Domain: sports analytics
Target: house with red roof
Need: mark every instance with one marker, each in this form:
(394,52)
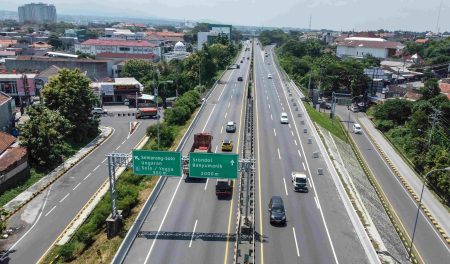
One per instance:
(13,162)
(444,86)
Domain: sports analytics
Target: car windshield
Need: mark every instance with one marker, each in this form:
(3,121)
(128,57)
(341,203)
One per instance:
(278,209)
(300,180)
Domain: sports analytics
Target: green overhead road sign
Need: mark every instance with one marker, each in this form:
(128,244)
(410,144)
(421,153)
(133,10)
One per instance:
(161,163)
(213,165)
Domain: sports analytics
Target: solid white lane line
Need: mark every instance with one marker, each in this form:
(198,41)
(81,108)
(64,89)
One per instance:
(295,141)
(123,142)
(53,208)
(64,198)
(296,244)
(103,161)
(162,222)
(271,116)
(285,187)
(76,186)
(304,168)
(299,153)
(206,185)
(87,176)
(96,167)
(193,232)
(274,132)
(226,115)
(279,155)
(221,130)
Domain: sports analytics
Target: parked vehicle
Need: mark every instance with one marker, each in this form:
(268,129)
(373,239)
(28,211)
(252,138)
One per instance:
(354,108)
(277,211)
(150,112)
(269,76)
(239,79)
(224,188)
(99,111)
(299,181)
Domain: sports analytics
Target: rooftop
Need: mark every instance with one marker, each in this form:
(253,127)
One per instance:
(148,56)
(10,156)
(109,42)
(6,140)
(357,42)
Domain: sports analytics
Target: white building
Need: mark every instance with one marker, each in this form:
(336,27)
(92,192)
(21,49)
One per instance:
(358,47)
(179,52)
(205,37)
(39,12)
(117,90)
(111,47)
(124,34)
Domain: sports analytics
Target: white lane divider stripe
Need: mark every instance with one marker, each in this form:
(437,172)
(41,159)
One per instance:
(279,155)
(206,185)
(299,153)
(271,116)
(123,142)
(96,167)
(274,132)
(53,208)
(103,161)
(304,168)
(76,186)
(317,202)
(193,232)
(285,187)
(296,244)
(87,176)
(295,141)
(64,198)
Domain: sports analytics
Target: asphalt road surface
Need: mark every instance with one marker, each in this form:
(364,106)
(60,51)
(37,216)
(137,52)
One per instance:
(318,228)
(187,223)
(430,244)
(47,215)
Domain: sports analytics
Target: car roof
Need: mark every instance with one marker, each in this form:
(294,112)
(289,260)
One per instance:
(276,199)
(226,141)
(357,125)
(284,114)
(230,123)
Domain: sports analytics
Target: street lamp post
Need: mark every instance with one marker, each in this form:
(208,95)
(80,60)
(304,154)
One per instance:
(419,204)
(156,92)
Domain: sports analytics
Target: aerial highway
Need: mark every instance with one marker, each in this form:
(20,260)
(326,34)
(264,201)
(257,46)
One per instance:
(42,220)
(187,223)
(318,229)
(431,246)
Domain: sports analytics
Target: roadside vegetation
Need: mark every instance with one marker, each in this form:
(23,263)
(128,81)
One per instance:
(408,125)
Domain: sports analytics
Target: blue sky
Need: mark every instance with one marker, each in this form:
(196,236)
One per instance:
(414,15)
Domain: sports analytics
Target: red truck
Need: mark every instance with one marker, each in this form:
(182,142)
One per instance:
(202,143)
(150,112)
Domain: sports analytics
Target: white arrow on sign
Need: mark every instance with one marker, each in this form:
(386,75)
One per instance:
(232,162)
(136,157)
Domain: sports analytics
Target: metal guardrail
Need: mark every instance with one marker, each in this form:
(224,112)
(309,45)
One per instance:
(124,248)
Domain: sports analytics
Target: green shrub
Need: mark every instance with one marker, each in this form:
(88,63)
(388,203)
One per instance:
(66,252)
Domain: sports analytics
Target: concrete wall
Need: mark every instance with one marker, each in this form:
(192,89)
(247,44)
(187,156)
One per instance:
(360,52)
(6,115)
(94,69)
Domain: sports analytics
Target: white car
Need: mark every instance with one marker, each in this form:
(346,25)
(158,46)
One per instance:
(357,129)
(284,118)
(98,111)
(269,76)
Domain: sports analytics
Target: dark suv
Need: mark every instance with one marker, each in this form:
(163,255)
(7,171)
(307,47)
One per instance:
(276,210)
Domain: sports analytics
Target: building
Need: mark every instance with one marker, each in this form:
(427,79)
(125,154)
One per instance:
(123,34)
(179,53)
(7,112)
(94,69)
(13,162)
(164,37)
(360,47)
(98,46)
(37,12)
(214,31)
(444,86)
(18,86)
(116,90)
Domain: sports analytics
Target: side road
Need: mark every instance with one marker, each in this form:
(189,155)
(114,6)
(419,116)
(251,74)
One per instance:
(20,200)
(432,204)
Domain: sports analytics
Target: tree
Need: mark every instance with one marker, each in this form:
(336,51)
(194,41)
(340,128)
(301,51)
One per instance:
(55,41)
(431,89)
(397,110)
(44,135)
(142,70)
(70,94)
